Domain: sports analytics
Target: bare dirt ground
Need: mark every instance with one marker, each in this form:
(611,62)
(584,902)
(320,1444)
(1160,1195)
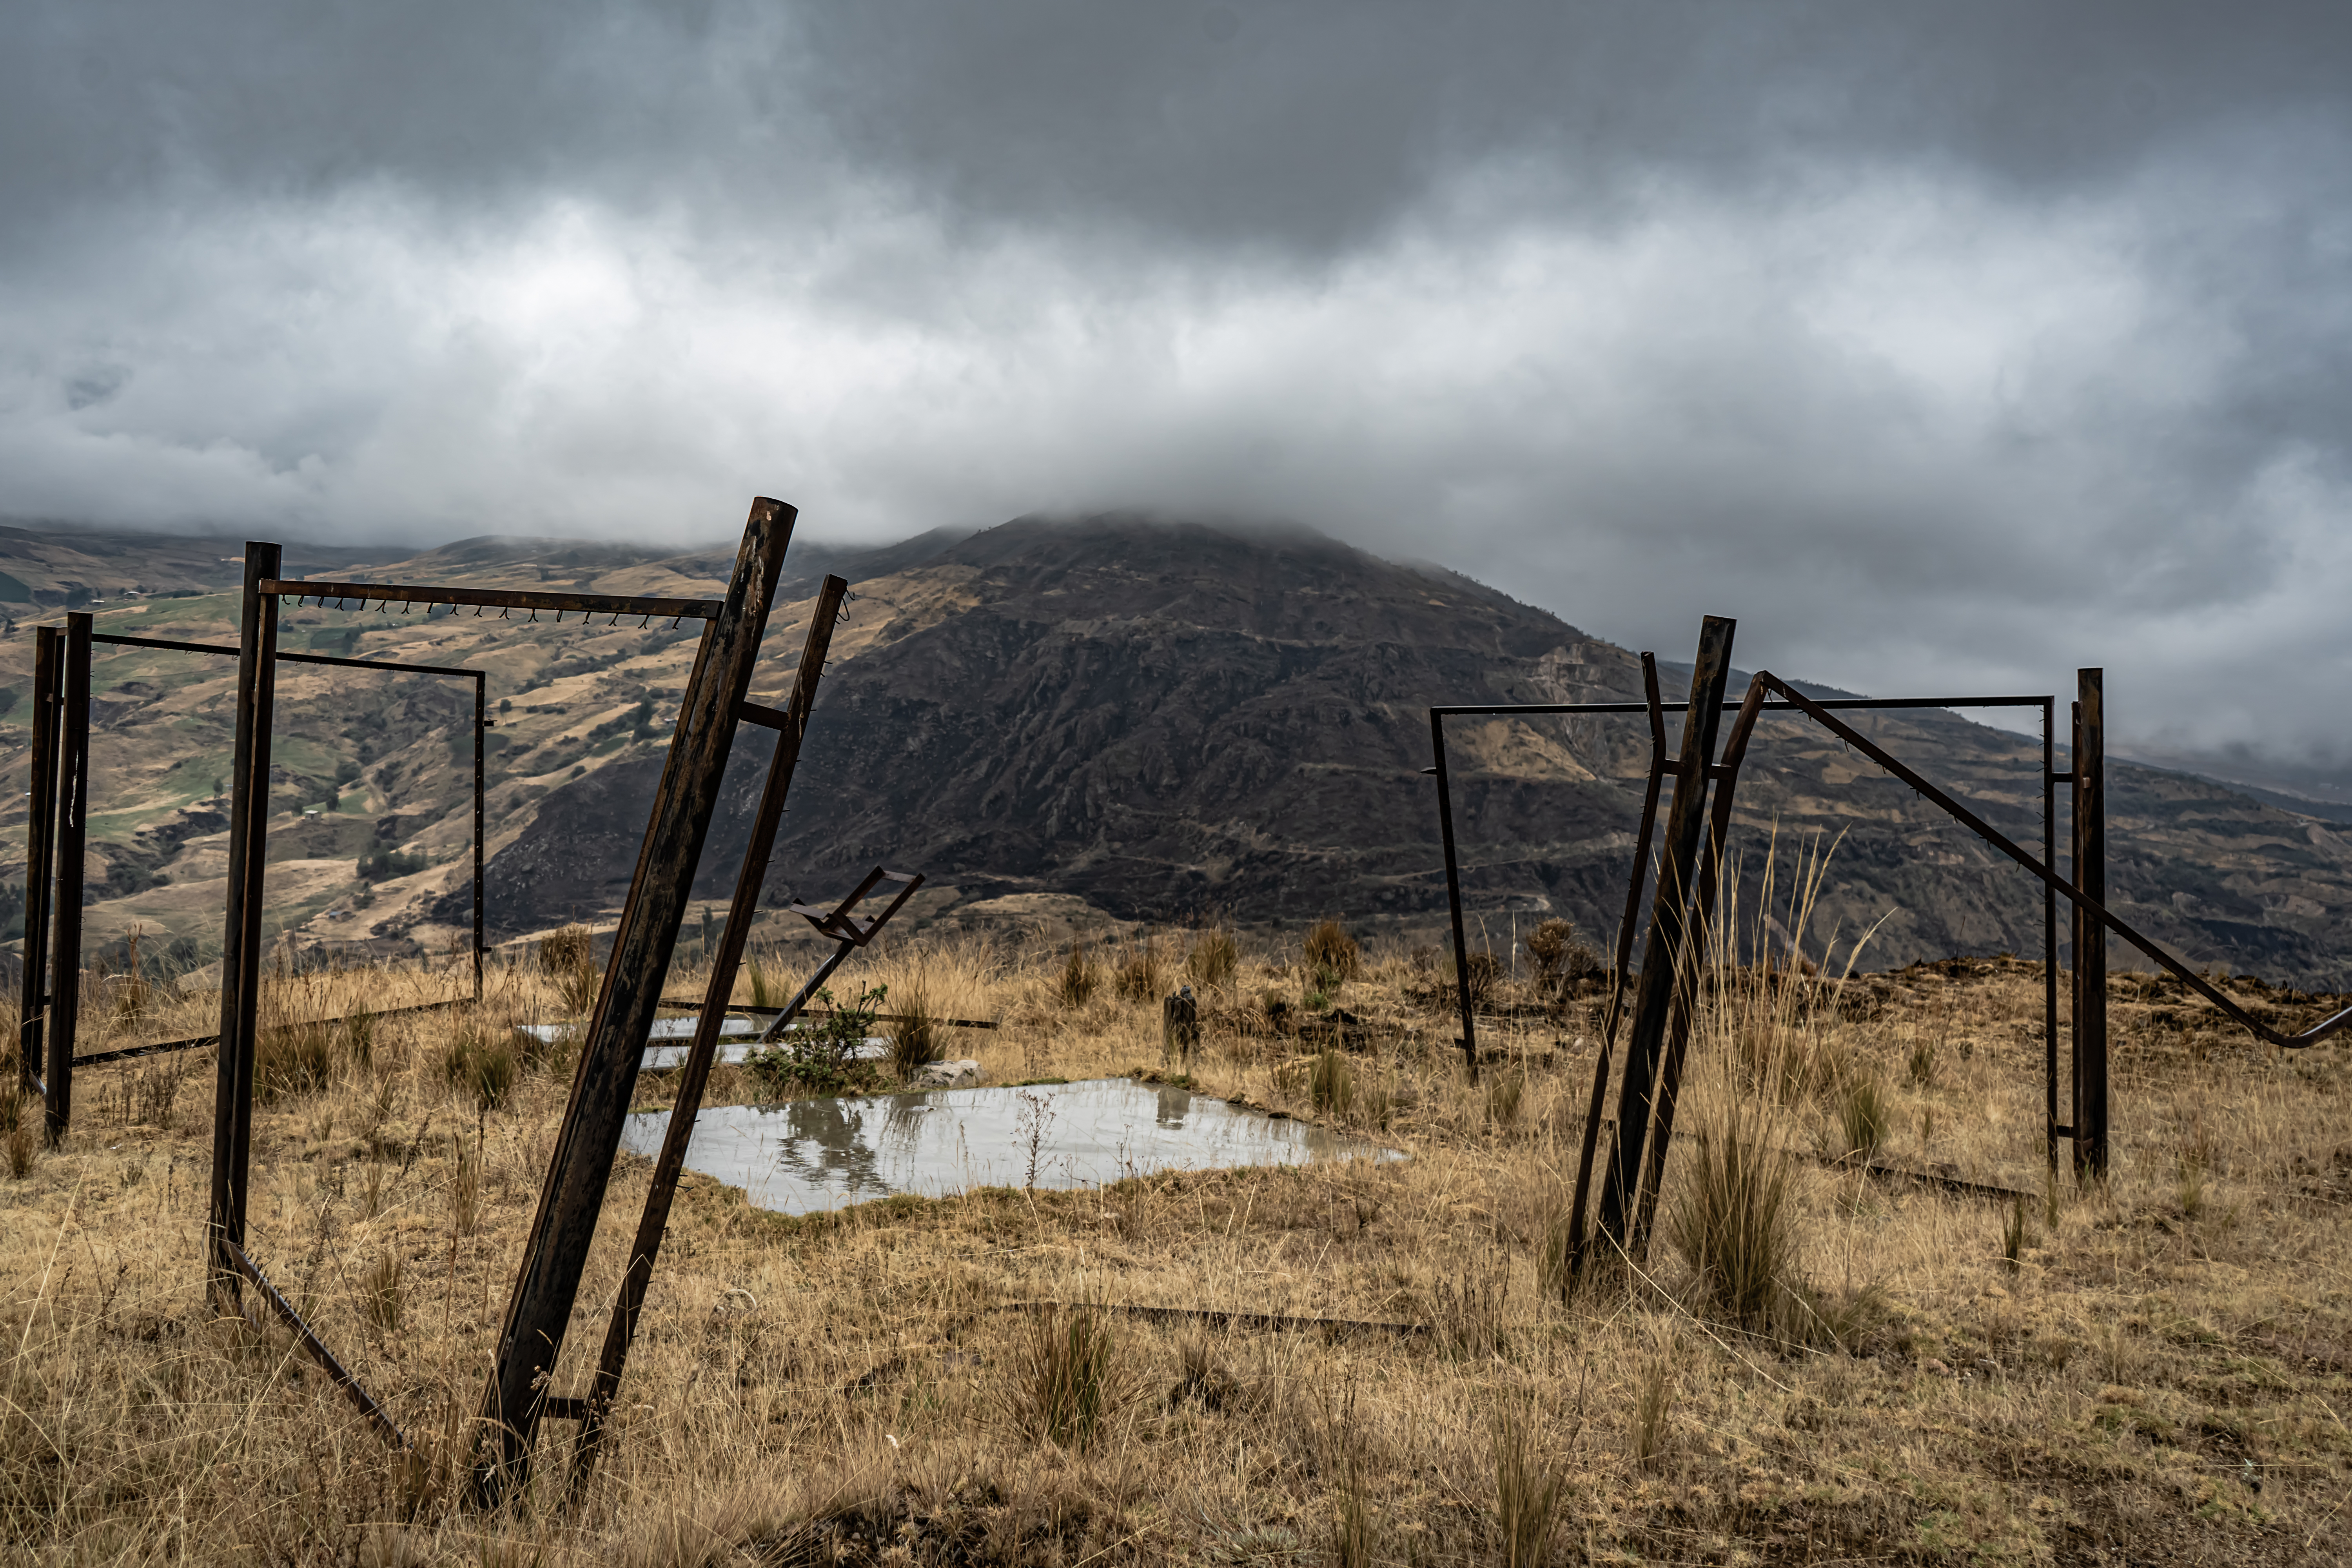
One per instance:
(2158,1370)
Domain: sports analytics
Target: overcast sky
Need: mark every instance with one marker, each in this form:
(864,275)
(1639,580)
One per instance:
(1945,346)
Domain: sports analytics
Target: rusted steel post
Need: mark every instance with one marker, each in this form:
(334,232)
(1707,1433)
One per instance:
(1634,887)
(40,865)
(1453,894)
(2049,944)
(1668,949)
(1712,871)
(72,844)
(2090,940)
(695,1076)
(546,1283)
(241,966)
(481,700)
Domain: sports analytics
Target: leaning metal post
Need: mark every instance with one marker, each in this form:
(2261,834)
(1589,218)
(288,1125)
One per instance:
(1666,954)
(1599,1102)
(1454,895)
(40,864)
(2091,937)
(548,1281)
(72,839)
(481,700)
(622,1328)
(1702,927)
(248,817)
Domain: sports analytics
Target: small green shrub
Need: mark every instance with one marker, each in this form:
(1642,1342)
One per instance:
(383,864)
(820,1059)
(1559,957)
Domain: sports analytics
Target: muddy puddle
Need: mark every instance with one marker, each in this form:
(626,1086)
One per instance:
(816,1154)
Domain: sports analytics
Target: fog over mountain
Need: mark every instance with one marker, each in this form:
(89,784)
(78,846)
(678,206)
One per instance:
(1946,348)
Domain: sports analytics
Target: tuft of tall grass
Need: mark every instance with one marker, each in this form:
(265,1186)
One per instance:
(2012,1234)
(1505,1092)
(290,1060)
(380,1296)
(1653,1405)
(1471,1316)
(1526,1493)
(1332,956)
(18,1142)
(1080,977)
(915,1038)
(569,958)
(481,1062)
(465,1188)
(1920,1069)
(1215,957)
(1733,1220)
(1135,975)
(1063,1379)
(1865,1117)
(1330,1083)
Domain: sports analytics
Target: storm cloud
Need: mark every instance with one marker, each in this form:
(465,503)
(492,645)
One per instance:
(1946,347)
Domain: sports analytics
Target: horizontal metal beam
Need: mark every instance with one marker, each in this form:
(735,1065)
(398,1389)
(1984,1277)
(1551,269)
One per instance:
(198,1042)
(312,1344)
(230,649)
(1776,707)
(2091,906)
(497,599)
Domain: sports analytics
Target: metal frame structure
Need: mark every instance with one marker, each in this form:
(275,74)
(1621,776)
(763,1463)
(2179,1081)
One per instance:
(1682,913)
(56,832)
(516,1397)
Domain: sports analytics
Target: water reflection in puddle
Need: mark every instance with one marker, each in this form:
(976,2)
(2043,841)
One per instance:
(815,1154)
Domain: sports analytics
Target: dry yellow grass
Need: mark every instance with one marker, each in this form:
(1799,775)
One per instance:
(2162,1375)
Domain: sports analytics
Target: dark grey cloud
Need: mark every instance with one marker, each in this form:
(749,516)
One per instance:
(1944,345)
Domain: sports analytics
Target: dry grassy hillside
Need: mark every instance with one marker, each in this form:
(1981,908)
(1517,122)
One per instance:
(2154,1370)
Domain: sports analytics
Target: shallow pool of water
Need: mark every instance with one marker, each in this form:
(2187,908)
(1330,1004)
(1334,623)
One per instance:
(814,1154)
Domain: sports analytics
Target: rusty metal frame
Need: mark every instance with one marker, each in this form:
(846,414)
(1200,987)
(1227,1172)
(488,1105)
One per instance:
(2076,893)
(1637,1158)
(2093,919)
(52,1013)
(547,1280)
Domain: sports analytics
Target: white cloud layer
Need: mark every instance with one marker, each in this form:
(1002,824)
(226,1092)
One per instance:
(1925,412)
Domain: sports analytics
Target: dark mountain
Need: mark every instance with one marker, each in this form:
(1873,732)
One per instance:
(1168,718)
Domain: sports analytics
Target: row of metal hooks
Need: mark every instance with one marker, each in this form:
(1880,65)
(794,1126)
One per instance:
(504,611)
